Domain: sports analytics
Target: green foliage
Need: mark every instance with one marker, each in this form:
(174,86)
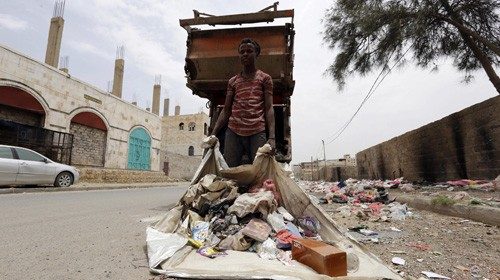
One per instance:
(370,33)
(476,202)
(442,200)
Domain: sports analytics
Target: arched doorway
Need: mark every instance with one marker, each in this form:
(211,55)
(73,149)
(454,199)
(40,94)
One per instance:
(139,149)
(19,106)
(89,139)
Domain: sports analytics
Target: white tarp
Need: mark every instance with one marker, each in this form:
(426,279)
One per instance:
(246,265)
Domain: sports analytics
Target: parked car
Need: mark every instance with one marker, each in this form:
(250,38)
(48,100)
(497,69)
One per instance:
(21,166)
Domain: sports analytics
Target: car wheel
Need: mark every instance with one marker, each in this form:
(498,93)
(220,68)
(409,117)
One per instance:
(64,179)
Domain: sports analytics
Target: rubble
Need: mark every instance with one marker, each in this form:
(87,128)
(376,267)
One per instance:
(454,248)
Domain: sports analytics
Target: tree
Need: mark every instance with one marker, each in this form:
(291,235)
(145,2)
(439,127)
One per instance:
(370,33)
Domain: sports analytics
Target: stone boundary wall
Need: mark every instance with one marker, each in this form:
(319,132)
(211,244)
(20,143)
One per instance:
(335,173)
(181,166)
(105,175)
(465,144)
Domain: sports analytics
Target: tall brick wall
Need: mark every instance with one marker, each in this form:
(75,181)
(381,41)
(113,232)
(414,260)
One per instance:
(20,116)
(89,145)
(465,144)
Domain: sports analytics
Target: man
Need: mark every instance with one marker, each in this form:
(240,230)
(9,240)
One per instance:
(248,108)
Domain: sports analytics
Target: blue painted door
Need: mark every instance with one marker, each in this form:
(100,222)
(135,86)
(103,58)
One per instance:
(139,150)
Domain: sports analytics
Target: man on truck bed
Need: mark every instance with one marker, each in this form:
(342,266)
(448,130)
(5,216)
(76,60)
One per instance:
(248,108)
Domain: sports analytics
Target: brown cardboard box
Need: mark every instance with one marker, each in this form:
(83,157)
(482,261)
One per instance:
(324,258)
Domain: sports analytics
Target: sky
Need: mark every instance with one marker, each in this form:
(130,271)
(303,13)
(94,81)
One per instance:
(408,98)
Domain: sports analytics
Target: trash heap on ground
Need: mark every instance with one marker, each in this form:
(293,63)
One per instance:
(220,215)
(366,199)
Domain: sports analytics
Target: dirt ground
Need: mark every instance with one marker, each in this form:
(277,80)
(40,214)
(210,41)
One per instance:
(450,246)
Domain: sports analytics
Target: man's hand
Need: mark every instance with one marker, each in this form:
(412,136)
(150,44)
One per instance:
(272,142)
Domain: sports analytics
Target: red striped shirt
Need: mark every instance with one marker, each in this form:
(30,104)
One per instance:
(248,110)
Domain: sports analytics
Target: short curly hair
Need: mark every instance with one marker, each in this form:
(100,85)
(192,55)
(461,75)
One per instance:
(250,41)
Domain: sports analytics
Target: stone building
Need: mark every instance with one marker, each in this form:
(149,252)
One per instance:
(181,139)
(106,130)
(70,121)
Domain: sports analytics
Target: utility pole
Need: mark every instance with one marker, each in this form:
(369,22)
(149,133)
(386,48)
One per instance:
(312,168)
(324,160)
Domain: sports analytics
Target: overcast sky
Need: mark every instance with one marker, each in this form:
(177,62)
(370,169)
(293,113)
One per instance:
(155,44)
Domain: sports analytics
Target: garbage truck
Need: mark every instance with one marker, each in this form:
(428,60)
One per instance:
(212,59)
(209,233)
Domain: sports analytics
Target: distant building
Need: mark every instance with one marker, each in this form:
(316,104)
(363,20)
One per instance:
(311,170)
(181,139)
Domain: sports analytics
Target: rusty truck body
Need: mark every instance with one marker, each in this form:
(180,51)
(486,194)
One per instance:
(212,59)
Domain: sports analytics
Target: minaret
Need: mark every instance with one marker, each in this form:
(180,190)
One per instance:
(119,69)
(55,34)
(64,63)
(156,95)
(166,105)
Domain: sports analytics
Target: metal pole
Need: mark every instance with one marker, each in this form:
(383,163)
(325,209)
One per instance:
(312,168)
(324,160)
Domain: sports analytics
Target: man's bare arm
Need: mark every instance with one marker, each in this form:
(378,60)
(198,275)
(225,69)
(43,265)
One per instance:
(223,118)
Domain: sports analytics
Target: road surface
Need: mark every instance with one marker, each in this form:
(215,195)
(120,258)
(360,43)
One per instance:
(80,235)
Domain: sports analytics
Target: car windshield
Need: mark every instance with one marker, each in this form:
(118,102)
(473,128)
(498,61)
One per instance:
(29,155)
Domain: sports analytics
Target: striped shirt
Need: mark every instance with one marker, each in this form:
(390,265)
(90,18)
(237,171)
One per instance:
(248,110)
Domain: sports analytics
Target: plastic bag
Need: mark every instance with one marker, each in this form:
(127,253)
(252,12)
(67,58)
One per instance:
(162,246)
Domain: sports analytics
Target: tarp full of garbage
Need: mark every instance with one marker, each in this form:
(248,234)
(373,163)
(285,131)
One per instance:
(239,223)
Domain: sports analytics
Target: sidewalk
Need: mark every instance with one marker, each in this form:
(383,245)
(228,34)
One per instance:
(92,186)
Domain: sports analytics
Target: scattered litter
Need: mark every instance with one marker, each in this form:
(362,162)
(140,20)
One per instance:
(398,252)
(257,229)
(210,252)
(475,271)
(420,260)
(434,275)
(395,229)
(267,250)
(367,232)
(462,268)
(287,216)
(398,261)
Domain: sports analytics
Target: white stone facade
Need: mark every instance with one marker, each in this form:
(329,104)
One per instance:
(62,97)
(180,132)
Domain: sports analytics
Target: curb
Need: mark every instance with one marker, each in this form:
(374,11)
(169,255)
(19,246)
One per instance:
(91,188)
(483,214)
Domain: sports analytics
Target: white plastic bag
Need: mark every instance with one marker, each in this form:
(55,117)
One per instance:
(162,246)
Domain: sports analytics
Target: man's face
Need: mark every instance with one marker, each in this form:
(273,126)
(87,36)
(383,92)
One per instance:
(247,54)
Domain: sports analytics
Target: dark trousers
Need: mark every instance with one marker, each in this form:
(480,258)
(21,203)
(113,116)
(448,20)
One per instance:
(236,146)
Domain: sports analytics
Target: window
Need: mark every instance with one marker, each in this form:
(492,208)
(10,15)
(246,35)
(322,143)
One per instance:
(181,126)
(191,151)
(29,155)
(205,129)
(192,125)
(5,153)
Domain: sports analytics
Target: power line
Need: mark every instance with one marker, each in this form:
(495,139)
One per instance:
(374,87)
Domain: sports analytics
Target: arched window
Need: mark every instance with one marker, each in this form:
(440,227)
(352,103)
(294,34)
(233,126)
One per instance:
(205,129)
(181,126)
(191,126)
(191,151)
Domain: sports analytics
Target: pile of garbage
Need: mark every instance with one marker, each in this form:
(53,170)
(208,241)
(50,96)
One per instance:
(220,216)
(252,221)
(365,199)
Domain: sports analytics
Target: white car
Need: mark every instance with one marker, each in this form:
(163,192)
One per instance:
(21,166)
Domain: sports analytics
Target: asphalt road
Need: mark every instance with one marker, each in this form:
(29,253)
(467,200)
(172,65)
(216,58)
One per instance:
(79,235)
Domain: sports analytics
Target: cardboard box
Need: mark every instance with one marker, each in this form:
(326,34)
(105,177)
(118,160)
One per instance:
(323,258)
